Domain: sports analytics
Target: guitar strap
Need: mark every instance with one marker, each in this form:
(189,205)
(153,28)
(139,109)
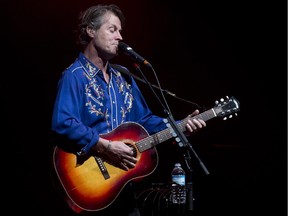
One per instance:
(127,72)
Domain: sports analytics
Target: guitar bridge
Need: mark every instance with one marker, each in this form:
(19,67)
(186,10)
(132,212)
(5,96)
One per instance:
(102,167)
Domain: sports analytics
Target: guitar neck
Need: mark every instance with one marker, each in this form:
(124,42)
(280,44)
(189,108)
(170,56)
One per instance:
(166,134)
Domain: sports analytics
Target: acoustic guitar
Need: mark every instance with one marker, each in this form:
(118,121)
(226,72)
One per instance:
(92,184)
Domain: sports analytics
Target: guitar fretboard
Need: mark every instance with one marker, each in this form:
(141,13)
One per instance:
(169,133)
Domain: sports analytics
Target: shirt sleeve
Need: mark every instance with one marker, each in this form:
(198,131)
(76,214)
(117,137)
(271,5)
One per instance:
(66,119)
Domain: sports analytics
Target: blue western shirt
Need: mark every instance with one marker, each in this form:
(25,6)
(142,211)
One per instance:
(86,106)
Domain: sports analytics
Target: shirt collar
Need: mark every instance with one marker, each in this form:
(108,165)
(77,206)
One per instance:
(92,69)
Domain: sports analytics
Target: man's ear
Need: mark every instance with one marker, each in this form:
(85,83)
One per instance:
(90,31)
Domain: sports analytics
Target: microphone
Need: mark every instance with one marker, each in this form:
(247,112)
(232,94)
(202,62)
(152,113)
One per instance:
(129,51)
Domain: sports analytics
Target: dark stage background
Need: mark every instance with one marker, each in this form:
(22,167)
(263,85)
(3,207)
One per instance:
(201,51)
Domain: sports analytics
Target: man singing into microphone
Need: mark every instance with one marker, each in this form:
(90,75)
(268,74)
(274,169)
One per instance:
(94,99)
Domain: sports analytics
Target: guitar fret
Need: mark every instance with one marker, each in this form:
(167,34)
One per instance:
(143,144)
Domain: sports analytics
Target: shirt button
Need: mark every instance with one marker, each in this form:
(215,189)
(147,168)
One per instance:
(114,120)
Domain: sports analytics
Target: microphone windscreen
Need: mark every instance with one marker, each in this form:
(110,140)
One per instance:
(122,45)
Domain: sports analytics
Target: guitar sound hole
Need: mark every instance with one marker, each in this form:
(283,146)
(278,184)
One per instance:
(134,149)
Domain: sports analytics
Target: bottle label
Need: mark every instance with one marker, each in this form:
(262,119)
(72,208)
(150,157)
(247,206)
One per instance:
(179,179)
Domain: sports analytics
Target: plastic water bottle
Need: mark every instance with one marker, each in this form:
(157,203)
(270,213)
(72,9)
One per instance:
(178,189)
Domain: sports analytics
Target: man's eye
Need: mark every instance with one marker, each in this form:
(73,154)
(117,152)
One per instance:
(112,29)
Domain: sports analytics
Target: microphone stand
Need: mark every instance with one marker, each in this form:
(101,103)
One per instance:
(185,145)
(181,139)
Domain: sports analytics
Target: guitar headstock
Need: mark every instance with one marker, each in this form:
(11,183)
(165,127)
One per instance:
(227,107)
